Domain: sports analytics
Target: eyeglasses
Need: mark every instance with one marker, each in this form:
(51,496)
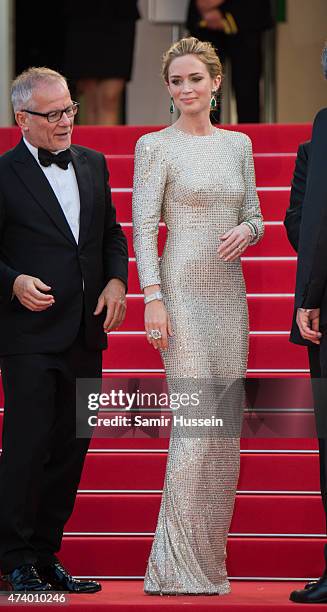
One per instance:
(54,116)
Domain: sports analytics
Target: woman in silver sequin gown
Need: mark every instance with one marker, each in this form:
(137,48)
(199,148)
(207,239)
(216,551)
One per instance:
(200,180)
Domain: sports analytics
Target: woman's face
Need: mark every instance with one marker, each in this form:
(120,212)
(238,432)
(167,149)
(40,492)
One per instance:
(190,84)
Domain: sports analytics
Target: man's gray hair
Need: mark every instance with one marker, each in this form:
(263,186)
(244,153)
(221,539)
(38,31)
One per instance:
(25,83)
(324,61)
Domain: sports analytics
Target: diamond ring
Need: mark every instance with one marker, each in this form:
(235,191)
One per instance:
(155,334)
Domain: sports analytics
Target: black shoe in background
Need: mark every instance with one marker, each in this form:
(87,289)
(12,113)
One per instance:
(61,580)
(25,579)
(312,593)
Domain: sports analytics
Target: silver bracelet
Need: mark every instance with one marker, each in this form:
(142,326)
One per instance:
(252,227)
(157,295)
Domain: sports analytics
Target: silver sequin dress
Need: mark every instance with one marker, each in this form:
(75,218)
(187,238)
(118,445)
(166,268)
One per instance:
(200,186)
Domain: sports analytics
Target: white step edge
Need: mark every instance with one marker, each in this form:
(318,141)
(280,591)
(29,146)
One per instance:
(240,578)
(272,188)
(162,224)
(270,258)
(242,452)
(252,295)
(151,534)
(252,333)
(252,371)
(159,491)
(165,451)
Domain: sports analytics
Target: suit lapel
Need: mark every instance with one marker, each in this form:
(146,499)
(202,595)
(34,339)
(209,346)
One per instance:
(37,184)
(86,192)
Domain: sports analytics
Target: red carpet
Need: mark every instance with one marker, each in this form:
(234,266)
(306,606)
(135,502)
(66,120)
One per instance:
(128,596)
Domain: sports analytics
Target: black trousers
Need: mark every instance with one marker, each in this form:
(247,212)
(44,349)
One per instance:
(42,458)
(318,372)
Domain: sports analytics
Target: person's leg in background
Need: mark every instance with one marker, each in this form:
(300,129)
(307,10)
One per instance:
(88,88)
(245,52)
(109,101)
(102,100)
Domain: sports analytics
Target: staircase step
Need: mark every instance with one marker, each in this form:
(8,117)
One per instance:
(137,514)
(132,351)
(273,244)
(265,313)
(287,472)
(273,204)
(247,557)
(261,276)
(271,170)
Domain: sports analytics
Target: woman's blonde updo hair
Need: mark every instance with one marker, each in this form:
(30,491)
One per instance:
(192,46)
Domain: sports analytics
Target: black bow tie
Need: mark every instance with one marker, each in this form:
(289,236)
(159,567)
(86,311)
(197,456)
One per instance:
(62,159)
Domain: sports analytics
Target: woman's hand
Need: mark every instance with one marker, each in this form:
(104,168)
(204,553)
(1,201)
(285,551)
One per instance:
(234,242)
(156,317)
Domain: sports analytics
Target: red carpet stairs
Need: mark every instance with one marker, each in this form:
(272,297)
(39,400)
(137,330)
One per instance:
(277,532)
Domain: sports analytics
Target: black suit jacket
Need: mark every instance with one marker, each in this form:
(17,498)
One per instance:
(307,228)
(293,216)
(36,239)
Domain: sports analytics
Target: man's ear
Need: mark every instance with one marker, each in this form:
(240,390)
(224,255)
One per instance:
(21,120)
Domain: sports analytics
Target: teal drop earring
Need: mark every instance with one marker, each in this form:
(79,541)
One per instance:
(172,105)
(213,101)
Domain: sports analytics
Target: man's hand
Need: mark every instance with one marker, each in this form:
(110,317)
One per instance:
(204,6)
(113,297)
(28,291)
(214,20)
(308,323)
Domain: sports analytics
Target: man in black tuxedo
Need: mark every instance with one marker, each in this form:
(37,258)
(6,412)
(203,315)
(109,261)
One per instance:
(63,278)
(235,29)
(306,225)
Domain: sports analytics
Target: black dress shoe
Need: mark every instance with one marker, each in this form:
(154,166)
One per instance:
(310,584)
(25,579)
(315,592)
(61,580)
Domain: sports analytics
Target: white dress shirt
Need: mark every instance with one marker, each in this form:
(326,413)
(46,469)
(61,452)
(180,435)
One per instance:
(65,187)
